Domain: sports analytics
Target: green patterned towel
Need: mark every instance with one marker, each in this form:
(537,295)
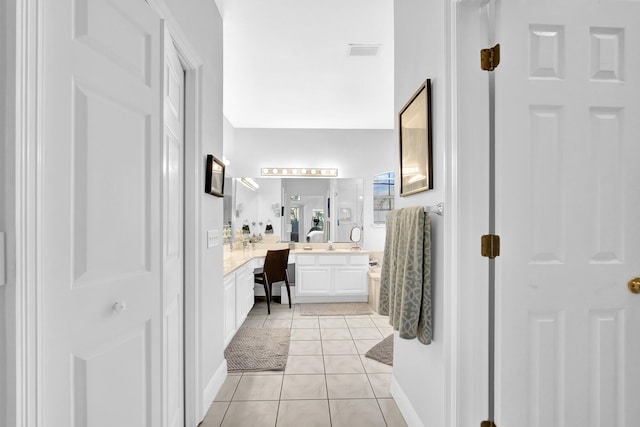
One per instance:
(405,278)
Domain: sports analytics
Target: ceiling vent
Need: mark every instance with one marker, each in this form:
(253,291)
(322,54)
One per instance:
(364,49)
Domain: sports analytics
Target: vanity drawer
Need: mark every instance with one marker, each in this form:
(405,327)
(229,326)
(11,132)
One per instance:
(359,260)
(332,260)
(306,260)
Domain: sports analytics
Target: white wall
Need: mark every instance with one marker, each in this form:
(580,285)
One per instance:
(228,136)
(4,168)
(202,25)
(419,370)
(356,154)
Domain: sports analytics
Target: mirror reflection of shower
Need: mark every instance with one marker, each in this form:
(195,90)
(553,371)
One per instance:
(292,207)
(306,199)
(327,209)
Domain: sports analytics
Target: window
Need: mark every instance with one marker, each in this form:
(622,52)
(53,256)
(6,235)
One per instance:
(383,196)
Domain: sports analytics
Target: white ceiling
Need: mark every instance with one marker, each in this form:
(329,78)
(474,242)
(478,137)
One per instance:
(286,64)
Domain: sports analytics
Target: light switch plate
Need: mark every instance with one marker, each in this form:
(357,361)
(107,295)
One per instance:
(212,238)
(2,256)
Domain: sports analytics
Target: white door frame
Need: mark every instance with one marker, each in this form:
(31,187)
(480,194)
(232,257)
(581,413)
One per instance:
(466,216)
(192,63)
(451,311)
(24,324)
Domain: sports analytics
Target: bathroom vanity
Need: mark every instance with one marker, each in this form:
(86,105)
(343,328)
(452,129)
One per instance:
(340,275)
(238,296)
(332,276)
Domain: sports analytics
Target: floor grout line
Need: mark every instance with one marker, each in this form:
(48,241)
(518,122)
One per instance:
(322,340)
(280,399)
(225,413)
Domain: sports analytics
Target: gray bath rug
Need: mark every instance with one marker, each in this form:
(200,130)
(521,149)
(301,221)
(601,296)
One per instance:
(254,349)
(335,309)
(383,351)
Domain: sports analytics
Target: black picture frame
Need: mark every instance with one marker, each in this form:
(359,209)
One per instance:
(416,162)
(214,177)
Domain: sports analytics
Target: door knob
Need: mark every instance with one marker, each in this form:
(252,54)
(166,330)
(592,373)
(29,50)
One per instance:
(119,307)
(634,285)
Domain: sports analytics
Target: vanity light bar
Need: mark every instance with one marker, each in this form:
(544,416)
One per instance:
(319,172)
(249,183)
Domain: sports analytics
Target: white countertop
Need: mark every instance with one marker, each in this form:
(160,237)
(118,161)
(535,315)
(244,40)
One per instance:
(238,257)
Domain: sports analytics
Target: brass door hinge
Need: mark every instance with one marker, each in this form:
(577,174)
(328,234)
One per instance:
(488,424)
(490,246)
(490,58)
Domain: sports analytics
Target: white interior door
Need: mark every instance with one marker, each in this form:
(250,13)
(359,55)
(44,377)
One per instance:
(568,196)
(100,218)
(173,236)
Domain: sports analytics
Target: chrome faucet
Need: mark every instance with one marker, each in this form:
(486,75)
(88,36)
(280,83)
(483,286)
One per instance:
(330,248)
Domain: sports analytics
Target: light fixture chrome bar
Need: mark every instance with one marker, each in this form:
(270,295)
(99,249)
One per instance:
(311,172)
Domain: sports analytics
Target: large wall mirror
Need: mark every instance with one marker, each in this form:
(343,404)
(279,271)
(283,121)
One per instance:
(295,209)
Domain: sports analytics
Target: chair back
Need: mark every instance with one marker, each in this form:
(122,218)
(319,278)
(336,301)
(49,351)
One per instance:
(275,264)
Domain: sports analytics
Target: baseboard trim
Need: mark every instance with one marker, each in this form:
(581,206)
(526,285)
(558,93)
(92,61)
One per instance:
(213,387)
(406,408)
(341,298)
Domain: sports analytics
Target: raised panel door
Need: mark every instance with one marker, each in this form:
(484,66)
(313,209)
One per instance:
(313,281)
(241,295)
(350,280)
(229,304)
(568,193)
(249,284)
(173,237)
(100,235)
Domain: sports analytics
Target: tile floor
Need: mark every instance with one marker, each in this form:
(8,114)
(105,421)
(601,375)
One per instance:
(327,382)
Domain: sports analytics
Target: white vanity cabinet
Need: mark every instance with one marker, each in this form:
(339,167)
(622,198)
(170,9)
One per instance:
(249,284)
(238,298)
(352,279)
(312,278)
(331,277)
(229,299)
(241,295)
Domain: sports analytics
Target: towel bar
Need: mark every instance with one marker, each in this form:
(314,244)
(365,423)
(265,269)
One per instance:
(437,209)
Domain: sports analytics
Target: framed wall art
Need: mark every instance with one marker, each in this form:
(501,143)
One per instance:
(416,164)
(214,179)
